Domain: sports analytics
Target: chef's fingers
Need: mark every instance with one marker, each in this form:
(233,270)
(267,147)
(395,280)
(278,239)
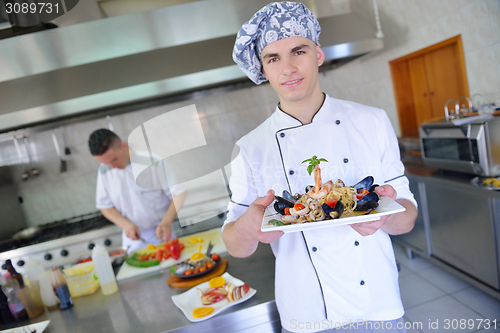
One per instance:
(265,200)
(387,191)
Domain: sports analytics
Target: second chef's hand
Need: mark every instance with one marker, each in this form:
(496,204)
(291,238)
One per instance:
(164,230)
(131,230)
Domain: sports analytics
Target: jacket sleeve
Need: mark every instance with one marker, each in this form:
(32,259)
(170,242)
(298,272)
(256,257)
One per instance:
(242,185)
(391,161)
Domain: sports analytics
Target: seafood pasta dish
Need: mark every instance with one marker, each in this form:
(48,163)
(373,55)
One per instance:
(325,201)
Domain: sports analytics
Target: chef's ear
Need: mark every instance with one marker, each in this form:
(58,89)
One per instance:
(123,144)
(321,55)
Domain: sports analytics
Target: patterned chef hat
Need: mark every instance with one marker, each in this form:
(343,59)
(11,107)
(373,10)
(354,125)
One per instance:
(273,22)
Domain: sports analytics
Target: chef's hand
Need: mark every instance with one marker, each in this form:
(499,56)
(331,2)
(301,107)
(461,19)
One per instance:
(132,231)
(164,231)
(253,219)
(369,228)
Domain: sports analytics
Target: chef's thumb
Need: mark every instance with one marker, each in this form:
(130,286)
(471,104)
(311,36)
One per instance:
(268,198)
(265,200)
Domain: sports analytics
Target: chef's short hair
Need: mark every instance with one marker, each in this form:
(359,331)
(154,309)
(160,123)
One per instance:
(101,140)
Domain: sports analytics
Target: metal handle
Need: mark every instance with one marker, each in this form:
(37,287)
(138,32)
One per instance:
(469,102)
(446,111)
(56,144)
(34,171)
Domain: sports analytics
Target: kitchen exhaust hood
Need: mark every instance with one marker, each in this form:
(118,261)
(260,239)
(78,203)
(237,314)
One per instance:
(87,67)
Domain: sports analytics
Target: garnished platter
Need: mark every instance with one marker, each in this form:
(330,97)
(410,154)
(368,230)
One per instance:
(386,206)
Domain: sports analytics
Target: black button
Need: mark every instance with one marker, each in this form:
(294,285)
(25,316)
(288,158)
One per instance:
(282,135)
(64,253)
(291,172)
(356,243)
(337,121)
(4,267)
(48,256)
(314,249)
(91,246)
(107,242)
(362,283)
(20,263)
(346,160)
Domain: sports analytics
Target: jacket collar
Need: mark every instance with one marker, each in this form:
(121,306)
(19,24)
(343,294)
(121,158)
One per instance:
(285,120)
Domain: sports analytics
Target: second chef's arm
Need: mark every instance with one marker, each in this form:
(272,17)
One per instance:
(131,230)
(164,228)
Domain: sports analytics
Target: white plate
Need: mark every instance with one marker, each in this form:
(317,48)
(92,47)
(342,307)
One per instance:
(39,327)
(191,299)
(386,206)
(478,181)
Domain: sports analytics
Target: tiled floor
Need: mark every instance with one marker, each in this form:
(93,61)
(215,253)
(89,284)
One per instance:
(436,301)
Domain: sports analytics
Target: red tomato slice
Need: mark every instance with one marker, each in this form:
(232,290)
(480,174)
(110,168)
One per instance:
(331,203)
(287,211)
(362,193)
(298,206)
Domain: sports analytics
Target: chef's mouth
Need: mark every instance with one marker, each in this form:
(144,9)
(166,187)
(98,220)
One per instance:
(291,82)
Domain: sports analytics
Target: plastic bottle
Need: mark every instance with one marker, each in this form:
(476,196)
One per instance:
(5,314)
(104,270)
(11,289)
(30,295)
(61,288)
(14,273)
(49,299)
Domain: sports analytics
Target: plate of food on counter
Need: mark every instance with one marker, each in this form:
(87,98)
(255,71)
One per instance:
(489,183)
(153,255)
(327,204)
(210,298)
(197,265)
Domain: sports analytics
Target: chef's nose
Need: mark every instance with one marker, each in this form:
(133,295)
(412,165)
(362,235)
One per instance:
(287,66)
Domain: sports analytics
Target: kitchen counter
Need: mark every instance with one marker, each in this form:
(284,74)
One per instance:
(145,305)
(457,226)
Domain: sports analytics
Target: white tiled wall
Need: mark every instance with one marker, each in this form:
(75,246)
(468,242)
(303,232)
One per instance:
(408,25)
(54,195)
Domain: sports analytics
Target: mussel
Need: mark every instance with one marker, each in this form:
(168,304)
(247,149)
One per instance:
(288,196)
(366,184)
(368,202)
(281,204)
(334,212)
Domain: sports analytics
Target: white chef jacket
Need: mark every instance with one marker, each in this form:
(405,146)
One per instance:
(143,207)
(331,274)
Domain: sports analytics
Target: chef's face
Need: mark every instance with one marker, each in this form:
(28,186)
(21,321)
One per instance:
(291,66)
(117,156)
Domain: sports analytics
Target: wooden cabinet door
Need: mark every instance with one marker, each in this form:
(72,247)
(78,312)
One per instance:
(424,80)
(420,89)
(444,77)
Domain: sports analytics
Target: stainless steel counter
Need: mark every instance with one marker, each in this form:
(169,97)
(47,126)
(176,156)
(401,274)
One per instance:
(145,305)
(457,227)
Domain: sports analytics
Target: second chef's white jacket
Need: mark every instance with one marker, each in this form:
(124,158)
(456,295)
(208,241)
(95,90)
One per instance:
(331,275)
(143,207)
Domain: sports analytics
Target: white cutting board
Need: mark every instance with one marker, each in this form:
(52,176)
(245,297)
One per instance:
(213,235)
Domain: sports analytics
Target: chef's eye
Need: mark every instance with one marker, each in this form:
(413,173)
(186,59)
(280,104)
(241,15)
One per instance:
(272,60)
(299,52)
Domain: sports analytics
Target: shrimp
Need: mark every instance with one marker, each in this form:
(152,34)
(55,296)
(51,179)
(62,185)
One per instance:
(319,190)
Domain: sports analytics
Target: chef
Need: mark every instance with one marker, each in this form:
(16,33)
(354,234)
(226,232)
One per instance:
(335,279)
(142,213)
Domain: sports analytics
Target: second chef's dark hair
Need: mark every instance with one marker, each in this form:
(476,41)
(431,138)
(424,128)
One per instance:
(100,140)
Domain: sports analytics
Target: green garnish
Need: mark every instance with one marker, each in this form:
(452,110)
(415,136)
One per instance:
(313,162)
(277,223)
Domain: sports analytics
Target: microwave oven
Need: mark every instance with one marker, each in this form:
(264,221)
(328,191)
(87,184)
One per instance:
(470,148)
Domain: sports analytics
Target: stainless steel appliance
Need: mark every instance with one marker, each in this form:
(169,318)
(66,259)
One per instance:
(12,219)
(473,147)
(63,242)
(147,55)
